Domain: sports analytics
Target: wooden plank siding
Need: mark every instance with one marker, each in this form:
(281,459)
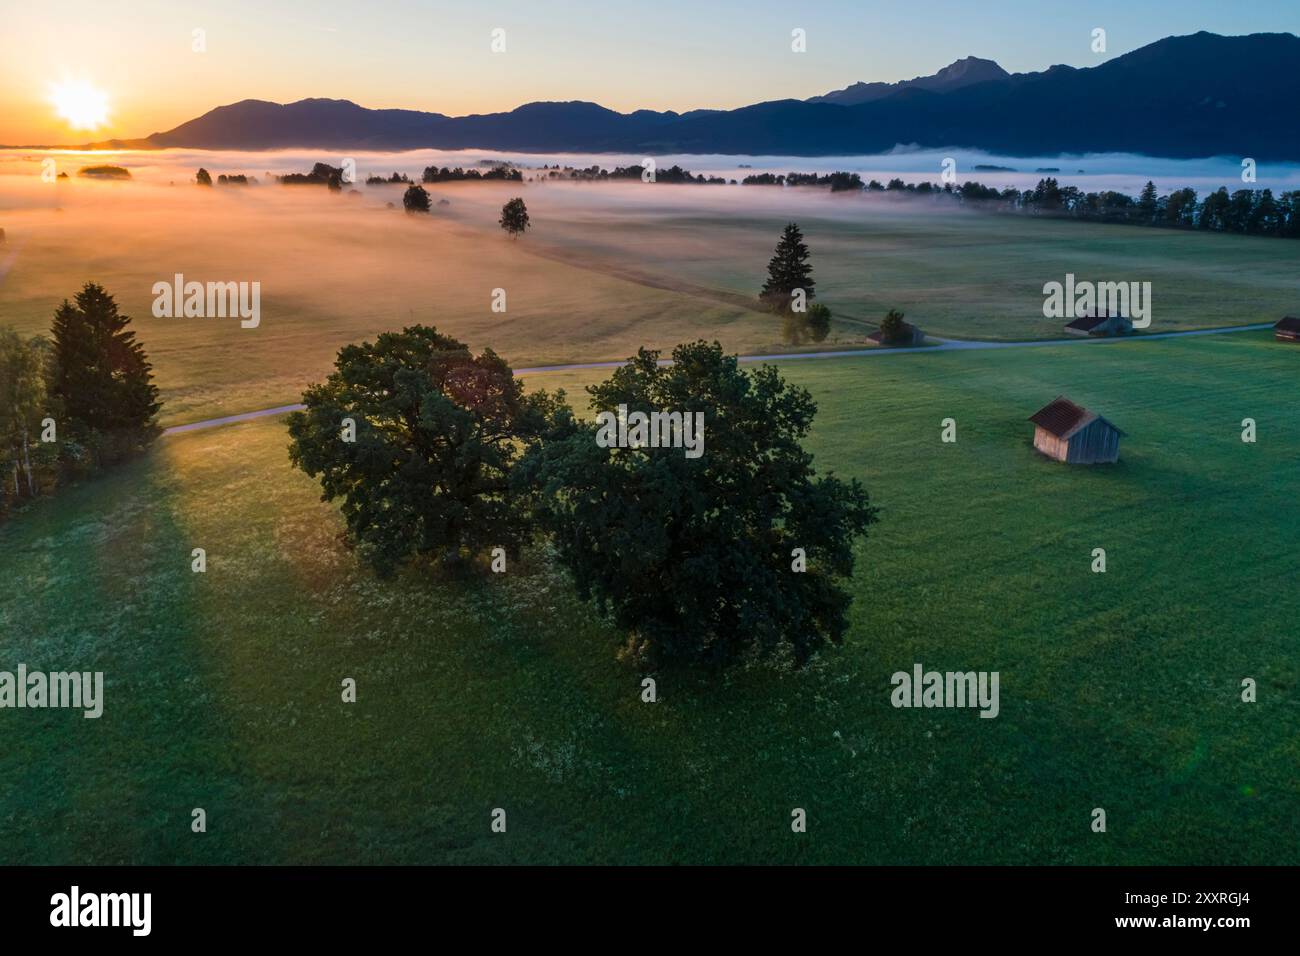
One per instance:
(1049,444)
(1097,443)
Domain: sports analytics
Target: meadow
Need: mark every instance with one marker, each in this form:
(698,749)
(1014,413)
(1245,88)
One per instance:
(1118,690)
(607,268)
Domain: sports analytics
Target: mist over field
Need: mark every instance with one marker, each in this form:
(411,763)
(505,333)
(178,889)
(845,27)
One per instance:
(1124,172)
(606,268)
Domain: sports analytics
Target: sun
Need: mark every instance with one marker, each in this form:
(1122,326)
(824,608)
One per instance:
(80,103)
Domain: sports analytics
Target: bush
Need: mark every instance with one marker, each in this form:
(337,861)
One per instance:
(813,325)
(893,328)
(818,322)
(415,199)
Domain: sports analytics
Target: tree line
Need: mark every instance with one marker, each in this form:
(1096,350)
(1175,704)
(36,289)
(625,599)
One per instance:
(1256,212)
(432,174)
(837,181)
(73,403)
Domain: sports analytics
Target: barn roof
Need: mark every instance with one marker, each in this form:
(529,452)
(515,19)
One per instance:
(1289,324)
(1063,418)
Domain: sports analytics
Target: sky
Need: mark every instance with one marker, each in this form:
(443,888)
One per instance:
(664,54)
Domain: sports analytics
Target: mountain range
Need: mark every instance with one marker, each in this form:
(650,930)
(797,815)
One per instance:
(1180,97)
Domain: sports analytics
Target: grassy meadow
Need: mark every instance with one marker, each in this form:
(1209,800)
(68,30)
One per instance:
(957,274)
(606,269)
(1118,690)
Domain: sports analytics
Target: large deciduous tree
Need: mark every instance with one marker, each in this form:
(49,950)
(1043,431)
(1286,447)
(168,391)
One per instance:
(514,217)
(695,558)
(417,437)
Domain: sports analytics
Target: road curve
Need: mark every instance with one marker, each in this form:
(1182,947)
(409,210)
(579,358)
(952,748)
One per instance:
(945,345)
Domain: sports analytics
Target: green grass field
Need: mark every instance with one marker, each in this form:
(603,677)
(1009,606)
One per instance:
(1118,691)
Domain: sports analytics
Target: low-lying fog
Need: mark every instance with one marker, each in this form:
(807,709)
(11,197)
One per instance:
(608,267)
(1125,172)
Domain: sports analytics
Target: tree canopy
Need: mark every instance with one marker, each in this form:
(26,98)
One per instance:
(514,217)
(99,374)
(415,199)
(695,557)
(418,438)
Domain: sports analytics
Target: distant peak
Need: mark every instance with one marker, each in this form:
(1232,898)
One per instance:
(964,72)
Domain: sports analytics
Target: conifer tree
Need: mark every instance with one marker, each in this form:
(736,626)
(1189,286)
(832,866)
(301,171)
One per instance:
(99,373)
(1147,204)
(788,270)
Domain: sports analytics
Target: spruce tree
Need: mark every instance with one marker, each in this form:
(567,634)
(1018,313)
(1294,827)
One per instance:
(1148,204)
(99,373)
(788,270)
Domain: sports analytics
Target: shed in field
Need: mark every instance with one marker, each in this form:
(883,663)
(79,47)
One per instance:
(1100,325)
(1287,330)
(1070,433)
(910,337)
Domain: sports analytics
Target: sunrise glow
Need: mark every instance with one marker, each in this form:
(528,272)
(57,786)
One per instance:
(80,104)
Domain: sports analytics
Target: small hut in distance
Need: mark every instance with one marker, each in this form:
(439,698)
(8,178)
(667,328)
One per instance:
(1286,330)
(1100,325)
(1071,433)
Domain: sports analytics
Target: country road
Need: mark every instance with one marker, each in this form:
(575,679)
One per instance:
(945,345)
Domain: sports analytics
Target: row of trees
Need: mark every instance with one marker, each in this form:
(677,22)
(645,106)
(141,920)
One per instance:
(837,181)
(1248,211)
(672,175)
(440,459)
(74,403)
(432,174)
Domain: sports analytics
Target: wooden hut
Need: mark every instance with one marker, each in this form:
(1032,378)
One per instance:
(1070,433)
(1100,325)
(1287,330)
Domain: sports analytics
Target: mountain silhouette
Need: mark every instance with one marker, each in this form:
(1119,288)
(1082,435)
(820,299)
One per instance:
(1181,97)
(964,72)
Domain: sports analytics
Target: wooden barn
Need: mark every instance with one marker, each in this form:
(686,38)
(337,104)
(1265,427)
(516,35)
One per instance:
(1287,330)
(911,337)
(1070,433)
(1100,325)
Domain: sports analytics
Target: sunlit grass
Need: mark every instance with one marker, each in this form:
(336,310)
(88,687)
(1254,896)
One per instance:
(1118,690)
